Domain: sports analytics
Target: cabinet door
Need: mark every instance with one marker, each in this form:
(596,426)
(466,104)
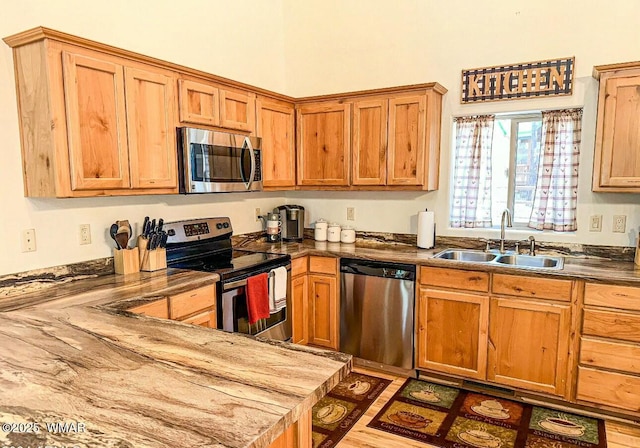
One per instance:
(323,311)
(300,311)
(323,135)
(405,157)
(206,319)
(618,132)
(199,103)
(276,127)
(369,151)
(529,344)
(151,128)
(237,110)
(452,332)
(96,121)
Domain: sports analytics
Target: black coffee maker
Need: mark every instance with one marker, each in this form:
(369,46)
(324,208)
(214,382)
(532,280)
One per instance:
(292,218)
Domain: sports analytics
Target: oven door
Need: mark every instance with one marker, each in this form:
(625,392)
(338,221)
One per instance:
(232,300)
(220,162)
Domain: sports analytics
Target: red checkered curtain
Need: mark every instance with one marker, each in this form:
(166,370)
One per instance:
(471,204)
(556,198)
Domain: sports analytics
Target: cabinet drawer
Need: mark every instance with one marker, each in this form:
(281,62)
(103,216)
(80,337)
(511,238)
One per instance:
(541,288)
(190,302)
(206,319)
(155,309)
(323,265)
(454,278)
(625,297)
(299,266)
(610,324)
(609,388)
(610,355)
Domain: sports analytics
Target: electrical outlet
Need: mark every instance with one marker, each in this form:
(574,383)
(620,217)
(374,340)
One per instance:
(595,223)
(257,213)
(351,214)
(619,223)
(85,234)
(29,240)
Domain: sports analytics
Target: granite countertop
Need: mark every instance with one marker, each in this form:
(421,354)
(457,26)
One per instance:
(575,267)
(74,354)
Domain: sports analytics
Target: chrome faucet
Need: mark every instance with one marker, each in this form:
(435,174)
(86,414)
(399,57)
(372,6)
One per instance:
(532,246)
(509,222)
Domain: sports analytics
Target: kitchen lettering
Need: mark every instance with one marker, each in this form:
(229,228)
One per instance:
(526,80)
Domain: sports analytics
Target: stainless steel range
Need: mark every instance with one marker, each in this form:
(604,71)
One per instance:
(205,245)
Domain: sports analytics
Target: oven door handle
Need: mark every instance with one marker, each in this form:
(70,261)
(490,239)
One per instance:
(232,285)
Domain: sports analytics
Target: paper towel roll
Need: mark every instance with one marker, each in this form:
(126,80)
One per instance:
(426,230)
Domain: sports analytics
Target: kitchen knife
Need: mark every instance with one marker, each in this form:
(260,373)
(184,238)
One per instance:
(143,230)
(153,226)
(160,224)
(153,242)
(147,230)
(163,239)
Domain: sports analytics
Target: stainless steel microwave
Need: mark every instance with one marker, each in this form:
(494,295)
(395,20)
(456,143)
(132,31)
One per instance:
(216,162)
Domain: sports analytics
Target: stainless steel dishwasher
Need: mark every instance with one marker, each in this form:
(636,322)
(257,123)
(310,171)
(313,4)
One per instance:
(376,311)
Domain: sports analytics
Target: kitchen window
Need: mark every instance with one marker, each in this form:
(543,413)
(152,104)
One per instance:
(527,163)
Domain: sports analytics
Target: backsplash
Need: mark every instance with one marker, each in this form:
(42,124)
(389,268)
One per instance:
(38,279)
(29,281)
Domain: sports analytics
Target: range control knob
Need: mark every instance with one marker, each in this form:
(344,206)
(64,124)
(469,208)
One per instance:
(219,226)
(225,225)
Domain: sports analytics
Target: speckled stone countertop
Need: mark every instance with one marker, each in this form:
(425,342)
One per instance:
(591,269)
(74,354)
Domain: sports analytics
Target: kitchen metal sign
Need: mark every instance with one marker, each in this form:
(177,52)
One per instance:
(531,79)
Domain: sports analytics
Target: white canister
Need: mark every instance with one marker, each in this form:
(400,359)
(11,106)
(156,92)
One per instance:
(333,233)
(320,232)
(348,235)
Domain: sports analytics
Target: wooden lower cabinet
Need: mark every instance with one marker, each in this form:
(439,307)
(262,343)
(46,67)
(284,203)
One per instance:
(297,435)
(300,311)
(206,319)
(323,311)
(529,344)
(158,308)
(452,332)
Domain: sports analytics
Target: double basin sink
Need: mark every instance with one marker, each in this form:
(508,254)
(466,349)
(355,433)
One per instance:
(507,259)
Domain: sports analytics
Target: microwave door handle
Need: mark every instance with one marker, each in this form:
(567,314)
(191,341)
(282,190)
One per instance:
(252,154)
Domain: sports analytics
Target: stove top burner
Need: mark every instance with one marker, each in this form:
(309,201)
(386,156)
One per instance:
(234,263)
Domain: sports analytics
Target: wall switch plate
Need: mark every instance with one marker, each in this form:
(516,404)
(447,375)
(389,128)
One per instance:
(29,240)
(595,223)
(619,223)
(351,214)
(257,213)
(85,234)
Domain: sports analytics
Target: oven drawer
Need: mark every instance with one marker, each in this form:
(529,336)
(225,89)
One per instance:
(186,303)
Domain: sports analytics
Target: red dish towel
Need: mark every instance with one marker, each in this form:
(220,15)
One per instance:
(257,298)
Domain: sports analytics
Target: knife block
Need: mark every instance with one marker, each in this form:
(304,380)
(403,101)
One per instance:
(151,260)
(126,261)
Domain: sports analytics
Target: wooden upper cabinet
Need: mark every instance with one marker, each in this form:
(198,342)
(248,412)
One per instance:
(617,151)
(406,156)
(276,127)
(323,137)
(237,110)
(199,103)
(96,121)
(369,142)
(150,98)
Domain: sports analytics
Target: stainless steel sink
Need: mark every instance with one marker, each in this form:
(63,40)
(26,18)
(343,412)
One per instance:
(528,261)
(466,255)
(518,261)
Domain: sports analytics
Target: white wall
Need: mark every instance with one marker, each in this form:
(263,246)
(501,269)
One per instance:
(344,45)
(240,39)
(314,47)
